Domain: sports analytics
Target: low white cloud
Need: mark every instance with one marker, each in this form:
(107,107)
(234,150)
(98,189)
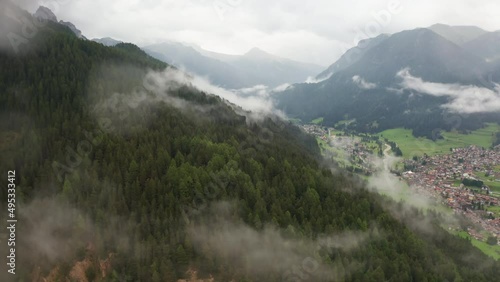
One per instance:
(282,87)
(462,98)
(117,107)
(271,251)
(260,90)
(363,84)
(318,80)
(395,90)
(384,182)
(172,78)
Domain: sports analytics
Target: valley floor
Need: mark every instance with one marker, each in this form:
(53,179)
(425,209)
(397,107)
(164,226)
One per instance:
(434,170)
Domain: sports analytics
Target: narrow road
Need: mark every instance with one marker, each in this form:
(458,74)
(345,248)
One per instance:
(387,149)
(388,162)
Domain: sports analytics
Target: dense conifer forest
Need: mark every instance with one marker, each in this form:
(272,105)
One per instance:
(102,179)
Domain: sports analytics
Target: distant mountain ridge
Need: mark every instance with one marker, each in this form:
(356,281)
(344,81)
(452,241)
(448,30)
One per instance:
(256,67)
(370,89)
(486,46)
(180,55)
(475,40)
(458,34)
(107,41)
(352,55)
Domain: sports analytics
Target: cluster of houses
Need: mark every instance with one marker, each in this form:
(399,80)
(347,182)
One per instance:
(440,177)
(346,143)
(356,152)
(317,130)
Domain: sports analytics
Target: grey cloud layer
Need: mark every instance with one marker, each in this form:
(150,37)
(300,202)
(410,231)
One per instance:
(315,31)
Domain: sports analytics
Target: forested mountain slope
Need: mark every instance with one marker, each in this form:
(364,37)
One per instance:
(117,181)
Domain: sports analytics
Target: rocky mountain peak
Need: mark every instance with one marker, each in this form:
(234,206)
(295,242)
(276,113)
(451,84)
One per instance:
(45,13)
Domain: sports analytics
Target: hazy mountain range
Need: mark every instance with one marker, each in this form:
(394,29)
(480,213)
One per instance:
(415,78)
(107,41)
(256,67)
(458,34)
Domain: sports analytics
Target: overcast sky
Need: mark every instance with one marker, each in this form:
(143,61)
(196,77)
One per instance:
(317,31)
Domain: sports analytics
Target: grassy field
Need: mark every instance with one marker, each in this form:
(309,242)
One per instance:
(295,120)
(492,251)
(324,146)
(495,210)
(412,146)
(493,185)
(482,137)
(489,181)
(317,121)
(344,122)
(340,156)
(336,132)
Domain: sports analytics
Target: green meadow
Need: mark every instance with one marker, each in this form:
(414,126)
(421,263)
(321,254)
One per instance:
(495,210)
(412,146)
(317,121)
(490,181)
(295,120)
(492,251)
